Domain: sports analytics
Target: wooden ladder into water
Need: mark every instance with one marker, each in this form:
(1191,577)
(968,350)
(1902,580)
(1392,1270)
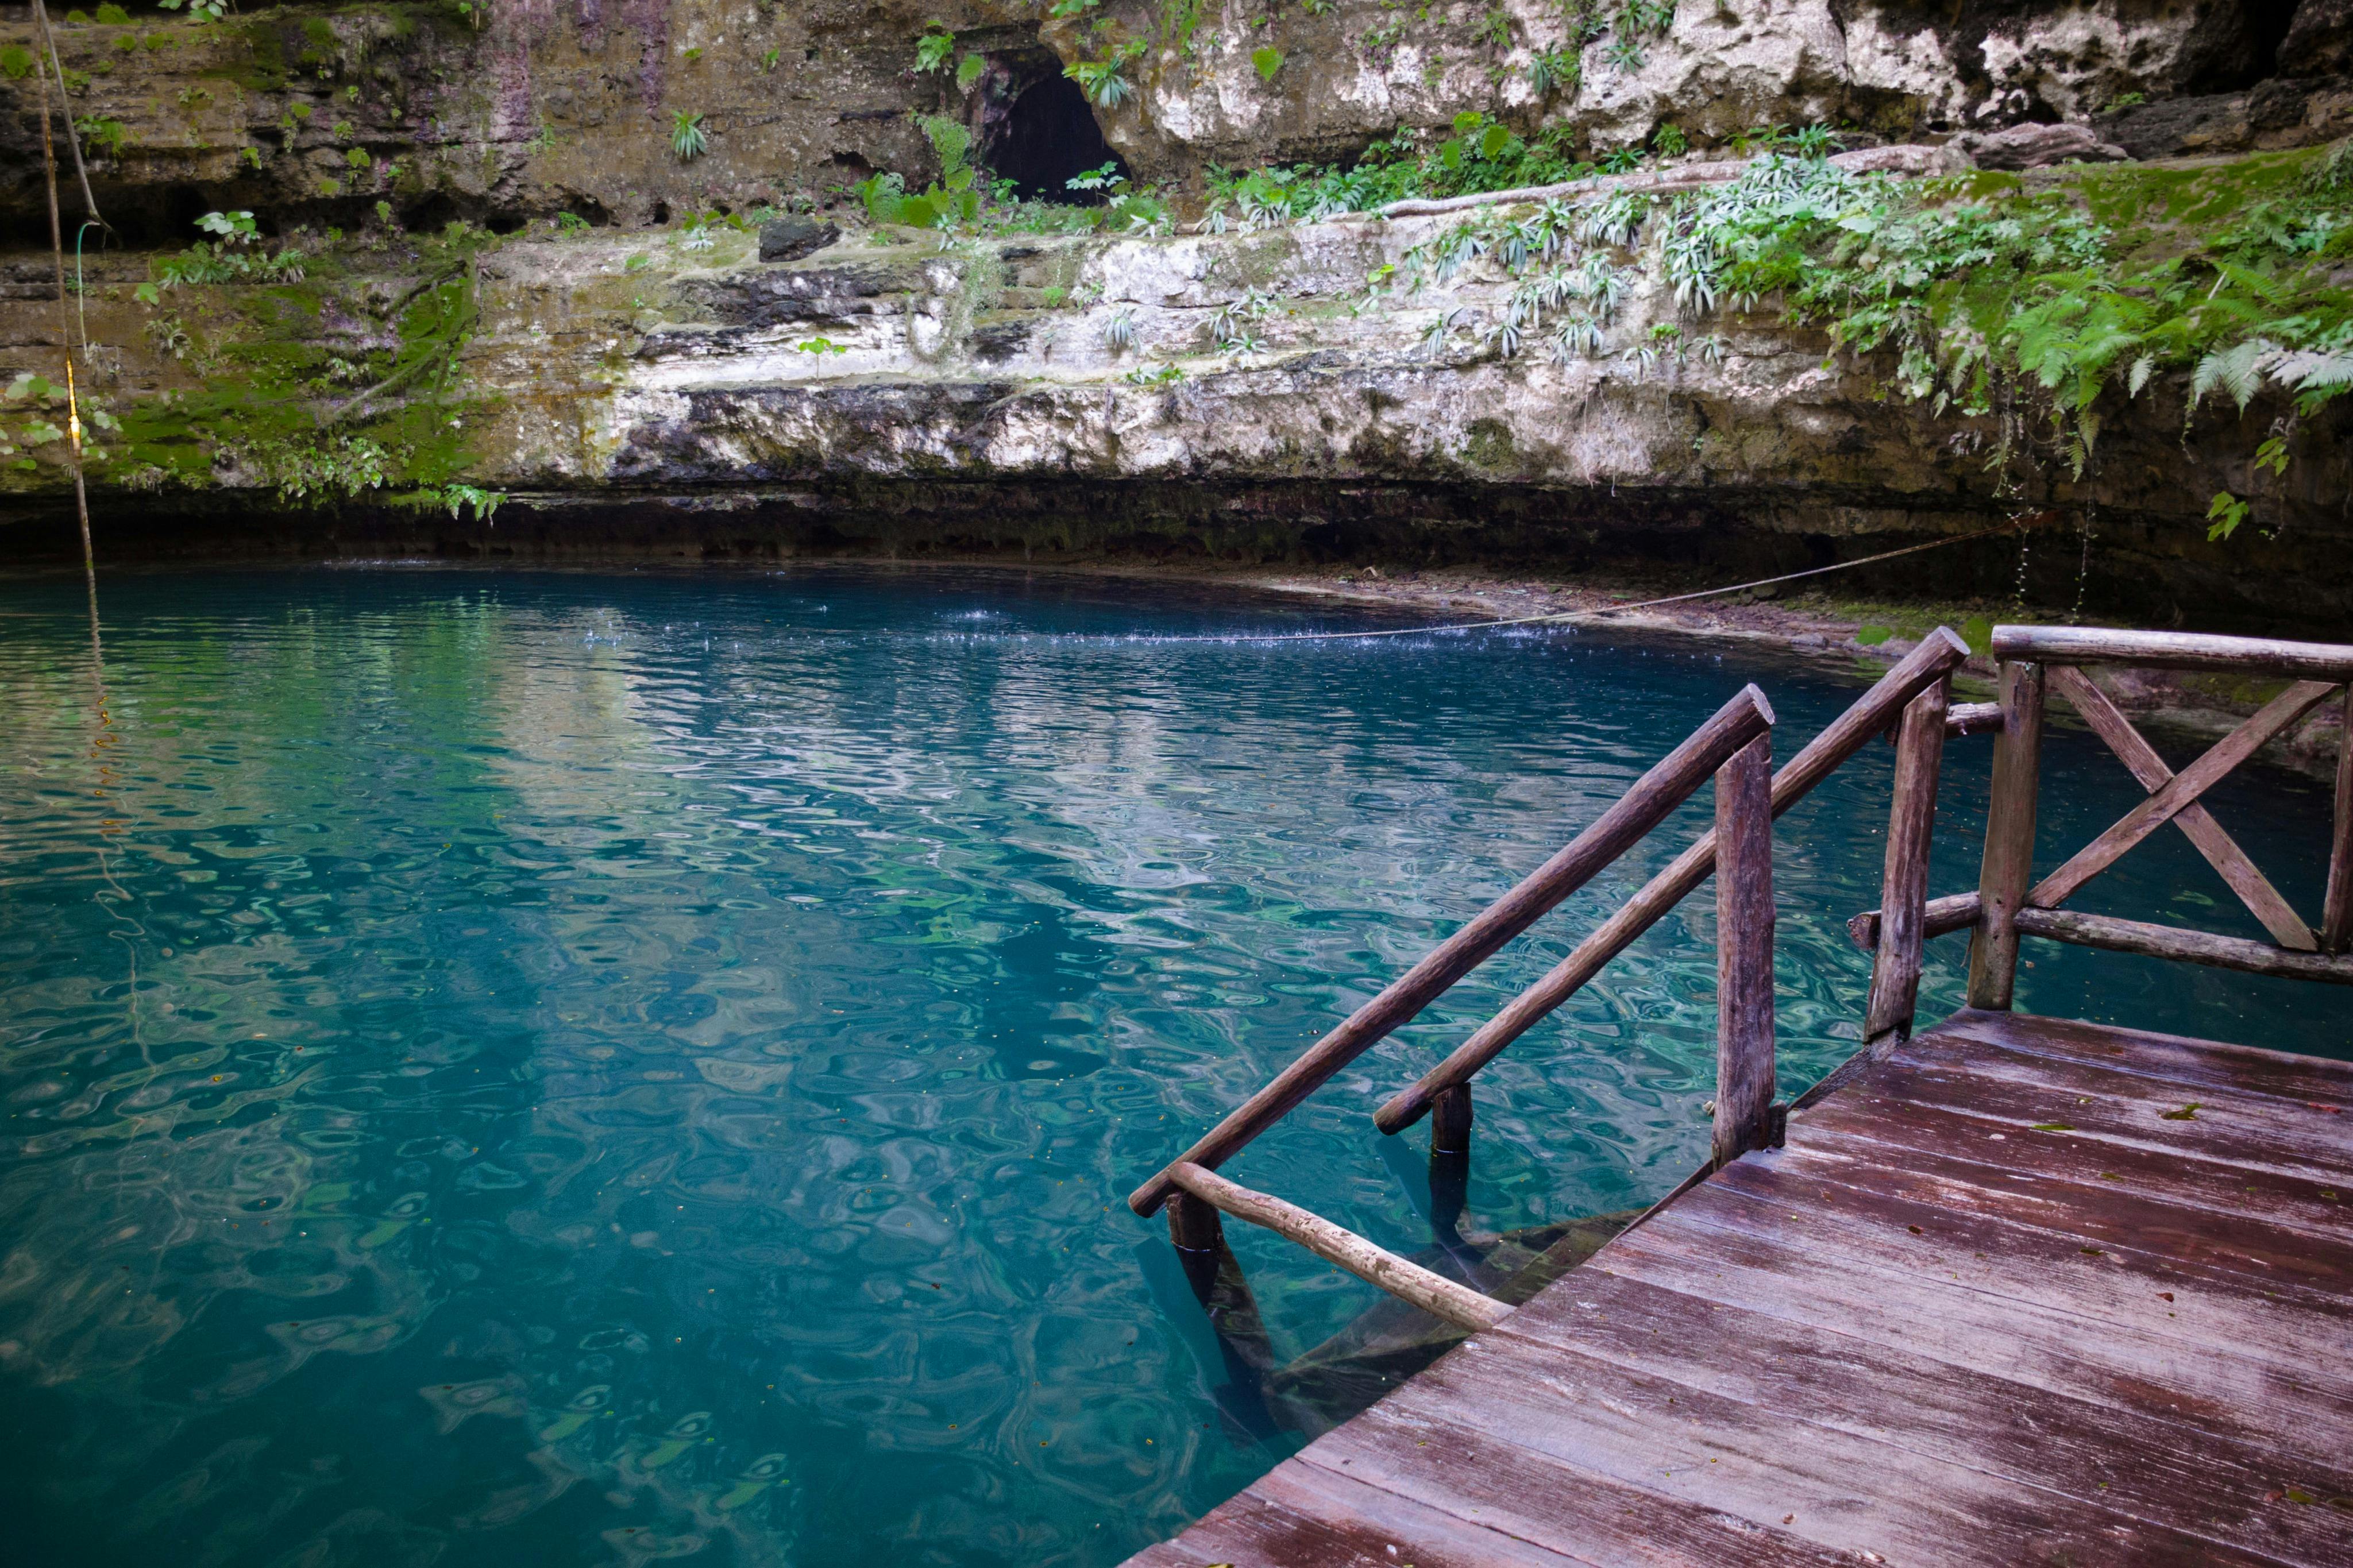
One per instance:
(2223,1164)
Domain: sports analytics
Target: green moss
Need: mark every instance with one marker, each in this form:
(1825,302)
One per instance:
(1488,444)
(264,67)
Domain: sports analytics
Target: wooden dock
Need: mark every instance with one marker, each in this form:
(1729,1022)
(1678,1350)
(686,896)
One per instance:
(2008,1290)
(2029,1290)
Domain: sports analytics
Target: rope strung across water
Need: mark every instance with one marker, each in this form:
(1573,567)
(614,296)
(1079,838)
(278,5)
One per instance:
(2011,526)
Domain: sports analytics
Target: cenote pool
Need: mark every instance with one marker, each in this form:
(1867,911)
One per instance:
(578,1068)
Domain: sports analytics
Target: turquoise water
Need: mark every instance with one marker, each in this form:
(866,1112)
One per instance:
(571,1068)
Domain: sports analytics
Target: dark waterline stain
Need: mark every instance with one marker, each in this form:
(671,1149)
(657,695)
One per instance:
(560,1067)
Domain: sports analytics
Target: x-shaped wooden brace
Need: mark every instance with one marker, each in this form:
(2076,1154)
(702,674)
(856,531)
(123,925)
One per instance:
(2173,798)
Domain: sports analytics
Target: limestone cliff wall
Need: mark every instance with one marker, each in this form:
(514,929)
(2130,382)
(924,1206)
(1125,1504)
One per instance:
(906,390)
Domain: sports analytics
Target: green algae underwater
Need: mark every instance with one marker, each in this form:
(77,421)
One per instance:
(574,1067)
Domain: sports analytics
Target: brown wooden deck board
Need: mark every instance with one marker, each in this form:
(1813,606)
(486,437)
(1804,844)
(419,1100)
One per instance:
(1926,1331)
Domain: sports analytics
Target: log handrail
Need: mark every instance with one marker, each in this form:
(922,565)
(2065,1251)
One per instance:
(2331,662)
(1642,807)
(1925,666)
(2184,945)
(1336,1244)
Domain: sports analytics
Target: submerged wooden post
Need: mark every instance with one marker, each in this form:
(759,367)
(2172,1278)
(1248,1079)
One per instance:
(1903,888)
(2009,836)
(1193,1225)
(2337,908)
(1744,951)
(1449,1121)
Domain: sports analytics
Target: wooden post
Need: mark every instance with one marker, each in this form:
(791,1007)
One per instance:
(1903,888)
(2009,862)
(1873,711)
(1193,1225)
(1622,824)
(1450,1122)
(2337,909)
(1744,950)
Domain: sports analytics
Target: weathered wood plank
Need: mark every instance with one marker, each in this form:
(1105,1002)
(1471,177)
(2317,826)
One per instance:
(1938,653)
(2009,861)
(1642,807)
(2175,1058)
(1579,1513)
(2288,1349)
(2013,1092)
(1744,951)
(1334,1244)
(2174,650)
(1897,1132)
(1832,1487)
(1929,1314)
(2111,1214)
(2184,787)
(2183,946)
(1903,885)
(2159,1471)
(1303,1516)
(2222,852)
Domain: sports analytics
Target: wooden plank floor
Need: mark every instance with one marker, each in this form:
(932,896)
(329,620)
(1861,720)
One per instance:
(2032,1291)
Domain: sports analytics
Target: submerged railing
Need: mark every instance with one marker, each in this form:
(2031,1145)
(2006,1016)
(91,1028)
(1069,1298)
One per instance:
(1912,703)
(1734,749)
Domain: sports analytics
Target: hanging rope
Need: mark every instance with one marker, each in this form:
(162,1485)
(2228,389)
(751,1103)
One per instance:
(2018,524)
(65,318)
(49,48)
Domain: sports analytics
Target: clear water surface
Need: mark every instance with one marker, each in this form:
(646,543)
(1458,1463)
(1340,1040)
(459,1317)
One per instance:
(566,1067)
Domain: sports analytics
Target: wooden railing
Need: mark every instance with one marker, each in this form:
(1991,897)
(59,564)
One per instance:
(1734,747)
(1913,703)
(2036,660)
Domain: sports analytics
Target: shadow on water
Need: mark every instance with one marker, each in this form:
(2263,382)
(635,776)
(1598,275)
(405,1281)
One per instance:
(575,1067)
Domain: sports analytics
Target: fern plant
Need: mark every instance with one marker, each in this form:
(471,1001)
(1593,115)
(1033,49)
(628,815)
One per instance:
(1104,81)
(687,137)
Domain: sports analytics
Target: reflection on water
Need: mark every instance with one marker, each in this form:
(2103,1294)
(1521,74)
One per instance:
(608,1068)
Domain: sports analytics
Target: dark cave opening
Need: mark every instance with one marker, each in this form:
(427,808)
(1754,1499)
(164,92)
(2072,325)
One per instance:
(2254,52)
(1050,135)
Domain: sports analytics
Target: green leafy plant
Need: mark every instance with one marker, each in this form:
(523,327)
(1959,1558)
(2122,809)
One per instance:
(1104,81)
(106,137)
(198,10)
(1551,70)
(485,503)
(1669,141)
(969,70)
(687,139)
(935,48)
(1266,62)
(821,346)
(16,62)
(571,225)
(113,15)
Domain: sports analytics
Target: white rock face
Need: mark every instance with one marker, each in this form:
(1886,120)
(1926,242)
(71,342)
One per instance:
(1721,68)
(1363,68)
